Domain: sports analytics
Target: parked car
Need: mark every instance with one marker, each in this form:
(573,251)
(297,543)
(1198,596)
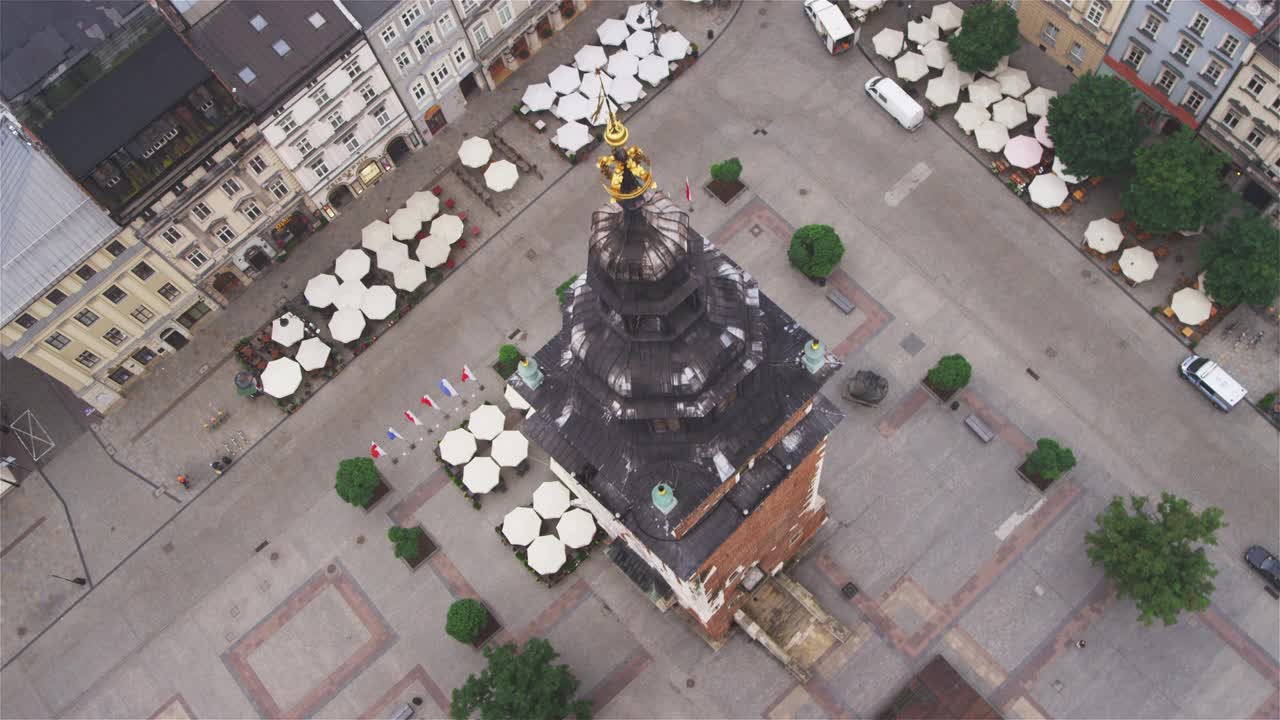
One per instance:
(1209,377)
(1264,563)
(895,101)
(831,25)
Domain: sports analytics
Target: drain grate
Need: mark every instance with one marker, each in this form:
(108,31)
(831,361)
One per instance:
(167,548)
(756,230)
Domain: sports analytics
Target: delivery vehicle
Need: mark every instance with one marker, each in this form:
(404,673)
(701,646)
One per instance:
(895,101)
(1209,377)
(832,26)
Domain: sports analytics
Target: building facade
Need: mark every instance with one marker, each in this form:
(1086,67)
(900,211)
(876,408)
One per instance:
(1075,33)
(426,55)
(505,33)
(1245,124)
(1182,54)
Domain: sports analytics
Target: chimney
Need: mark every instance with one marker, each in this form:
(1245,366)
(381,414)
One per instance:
(529,372)
(663,498)
(815,356)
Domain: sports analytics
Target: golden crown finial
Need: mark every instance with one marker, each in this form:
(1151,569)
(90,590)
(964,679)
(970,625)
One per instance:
(621,160)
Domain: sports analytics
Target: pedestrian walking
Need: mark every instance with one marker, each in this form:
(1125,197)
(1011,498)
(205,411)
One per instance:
(184,482)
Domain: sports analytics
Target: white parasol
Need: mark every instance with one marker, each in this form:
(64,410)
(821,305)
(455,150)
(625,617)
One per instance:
(623,63)
(653,69)
(1138,264)
(551,499)
(546,554)
(564,79)
(1103,235)
(375,235)
(591,83)
(447,228)
(640,44)
(313,353)
(405,223)
(521,526)
(942,91)
(486,422)
(501,176)
(922,31)
(937,54)
(911,66)
(1047,190)
(433,251)
(1009,112)
(457,446)
(946,16)
(1041,131)
(984,92)
(1023,151)
(379,302)
(888,43)
(574,106)
(1060,169)
(282,377)
(572,136)
(539,96)
(351,265)
(424,203)
(286,329)
(625,89)
(514,399)
(1191,306)
(991,136)
(510,448)
(589,57)
(576,528)
(970,116)
(1038,100)
(320,290)
(480,475)
(672,45)
(346,325)
(474,153)
(963,79)
(349,295)
(392,255)
(408,275)
(999,68)
(612,32)
(1014,82)
(641,16)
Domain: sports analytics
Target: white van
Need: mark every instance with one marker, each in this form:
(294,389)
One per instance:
(1221,389)
(895,101)
(831,25)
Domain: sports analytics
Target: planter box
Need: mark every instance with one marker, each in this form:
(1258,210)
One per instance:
(941,397)
(725,192)
(1041,484)
(426,548)
(491,628)
(380,492)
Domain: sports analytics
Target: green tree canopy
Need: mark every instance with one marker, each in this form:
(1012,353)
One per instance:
(727,172)
(1152,559)
(815,250)
(1095,131)
(1049,460)
(357,480)
(1176,186)
(466,620)
(951,373)
(1242,262)
(520,684)
(407,541)
(988,32)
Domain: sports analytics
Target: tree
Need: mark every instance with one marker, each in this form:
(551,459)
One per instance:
(1049,460)
(950,374)
(508,357)
(727,172)
(988,32)
(357,481)
(407,542)
(815,250)
(1242,262)
(1176,186)
(467,618)
(1095,131)
(520,684)
(1151,559)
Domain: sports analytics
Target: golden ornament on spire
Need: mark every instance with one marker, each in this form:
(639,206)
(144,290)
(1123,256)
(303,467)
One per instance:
(622,160)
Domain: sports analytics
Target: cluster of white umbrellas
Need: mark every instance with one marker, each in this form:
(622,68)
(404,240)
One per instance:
(283,375)
(500,176)
(1105,236)
(507,448)
(575,528)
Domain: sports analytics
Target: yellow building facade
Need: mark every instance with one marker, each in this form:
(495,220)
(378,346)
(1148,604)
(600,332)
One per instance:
(1075,33)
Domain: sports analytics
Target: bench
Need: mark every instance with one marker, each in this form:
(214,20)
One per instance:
(979,428)
(404,713)
(845,304)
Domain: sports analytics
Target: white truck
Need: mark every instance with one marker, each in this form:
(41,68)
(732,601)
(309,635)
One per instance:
(1209,378)
(831,24)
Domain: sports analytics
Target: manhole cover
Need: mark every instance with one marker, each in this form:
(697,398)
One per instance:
(1123,344)
(804,191)
(167,547)
(756,230)
(1086,274)
(531,254)
(690,683)
(764,25)
(331,569)
(911,344)
(1050,352)
(22,631)
(762,11)
(360,540)
(235,611)
(849,590)
(1057,685)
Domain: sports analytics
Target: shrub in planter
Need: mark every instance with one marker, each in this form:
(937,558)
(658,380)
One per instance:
(508,356)
(467,618)
(815,250)
(950,374)
(562,288)
(358,481)
(727,172)
(407,542)
(1049,460)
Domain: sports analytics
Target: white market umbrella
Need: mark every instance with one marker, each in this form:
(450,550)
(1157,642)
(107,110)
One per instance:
(641,16)
(433,251)
(984,92)
(888,43)
(313,353)
(970,116)
(1009,112)
(514,399)
(1000,67)
(349,295)
(591,83)
(653,69)
(1038,100)
(405,223)
(457,446)
(1138,264)
(424,203)
(1191,306)
(640,44)
(392,255)
(922,31)
(936,54)
(942,91)
(1041,132)
(564,79)
(501,176)
(320,290)
(474,152)
(480,475)
(408,275)
(911,66)
(282,377)
(346,325)
(625,89)
(486,422)
(1047,190)
(546,554)
(946,16)
(673,45)
(1103,235)
(576,528)
(447,228)
(375,235)
(286,329)
(623,63)
(1014,82)
(589,57)
(1024,152)
(963,79)
(521,526)
(379,302)
(539,96)
(351,265)
(551,499)
(1060,169)
(510,448)
(574,135)
(574,106)
(991,136)
(612,32)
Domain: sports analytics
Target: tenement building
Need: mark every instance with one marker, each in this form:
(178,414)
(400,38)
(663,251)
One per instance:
(506,33)
(679,404)
(1075,33)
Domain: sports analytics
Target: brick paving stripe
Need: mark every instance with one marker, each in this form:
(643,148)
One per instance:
(404,510)
(555,612)
(905,409)
(382,706)
(618,679)
(1245,647)
(22,536)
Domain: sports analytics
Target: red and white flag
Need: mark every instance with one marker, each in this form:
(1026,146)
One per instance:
(412,418)
(375,451)
(467,374)
(688,193)
(426,400)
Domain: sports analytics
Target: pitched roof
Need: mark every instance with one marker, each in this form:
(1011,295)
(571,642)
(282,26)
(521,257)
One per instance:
(366,12)
(36,36)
